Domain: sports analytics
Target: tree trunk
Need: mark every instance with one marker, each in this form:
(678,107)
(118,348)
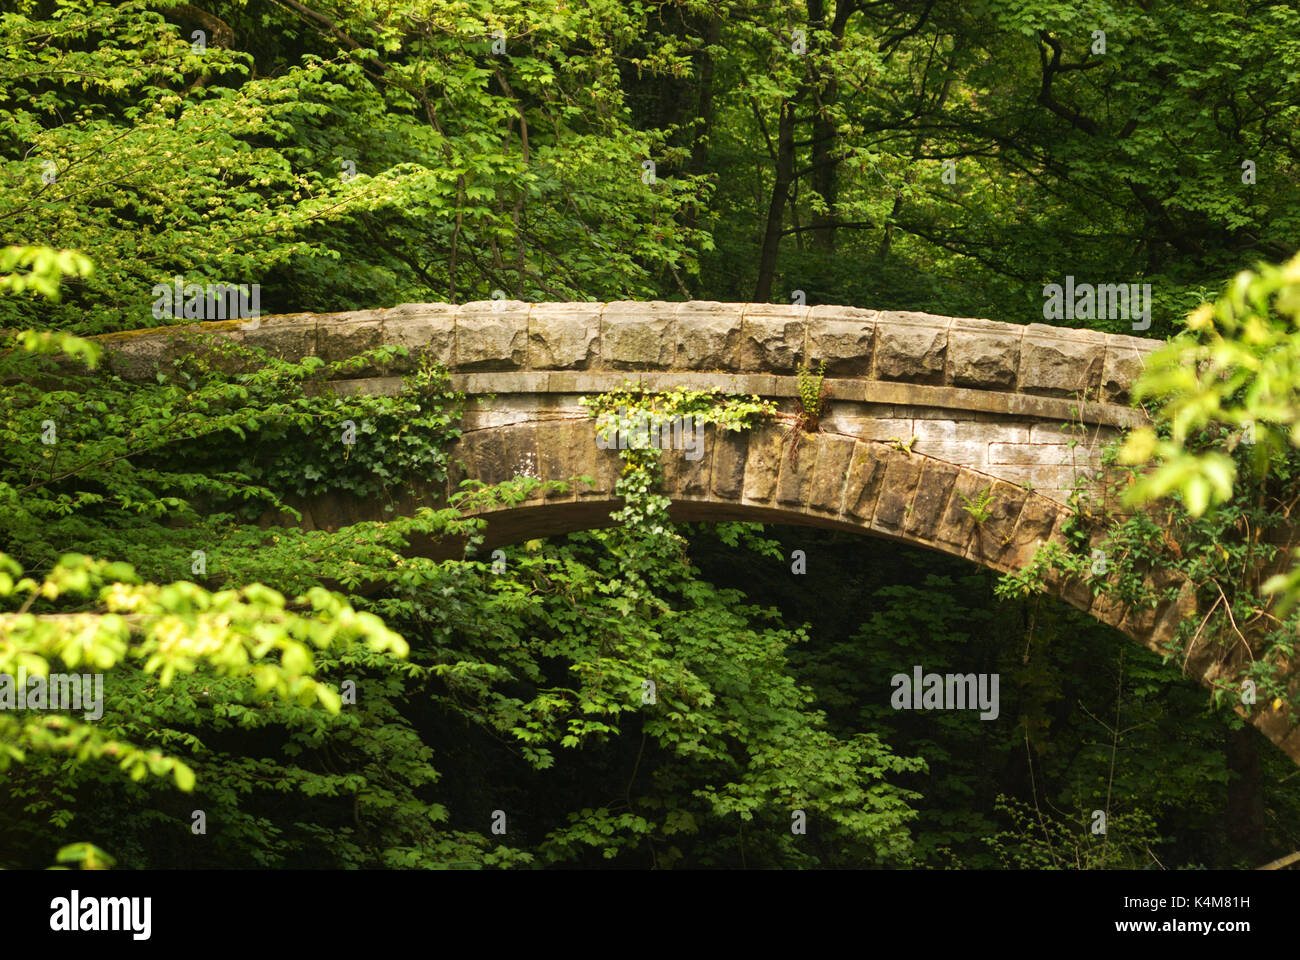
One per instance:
(1245,796)
(776,209)
(712,35)
(704,110)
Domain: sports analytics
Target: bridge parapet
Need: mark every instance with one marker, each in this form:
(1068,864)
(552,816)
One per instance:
(1028,405)
(697,336)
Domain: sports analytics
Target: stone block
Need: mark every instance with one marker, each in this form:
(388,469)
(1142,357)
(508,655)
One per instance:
(1124,363)
(772,337)
(842,336)
(958,525)
(519,447)
(829,475)
(492,335)
(683,477)
(763,463)
(983,353)
(708,335)
(1038,518)
(963,453)
(1061,363)
(560,450)
(911,347)
(931,500)
(638,336)
(731,448)
(796,475)
(1043,454)
(865,475)
(425,329)
(902,476)
(993,540)
(563,336)
(334,341)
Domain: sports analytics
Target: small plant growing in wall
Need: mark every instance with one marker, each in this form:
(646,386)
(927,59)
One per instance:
(813,394)
(981,508)
(902,446)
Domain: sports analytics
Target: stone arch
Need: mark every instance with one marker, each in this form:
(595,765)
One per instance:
(833,482)
(985,403)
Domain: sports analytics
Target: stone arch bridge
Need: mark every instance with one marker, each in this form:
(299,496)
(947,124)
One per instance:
(926,414)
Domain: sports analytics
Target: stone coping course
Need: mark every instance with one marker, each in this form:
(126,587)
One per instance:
(694,336)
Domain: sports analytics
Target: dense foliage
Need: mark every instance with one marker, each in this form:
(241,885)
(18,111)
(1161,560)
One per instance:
(644,695)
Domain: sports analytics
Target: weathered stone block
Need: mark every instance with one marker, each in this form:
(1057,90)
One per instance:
(492,335)
(603,466)
(902,475)
(1038,477)
(869,428)
(1069,588)
(963,453)
(935,428)
(958,525)
(584,460)
(287,336)
(911,347)
(425,329)
(519,448)
(606,469)
(772,337)
(983,353)
(993,540)
(334,341)
(1141,622)
(482,412)
(708,335)
(763,463)
(797,472)
(136,355)
(456,468)
(1038,518)
(638,336)
(986,431)
(684,477)
(1059,363)
(1138,621)
(483,453)
(563,336)
(1043,454)
(1057,433)
(731,448)
(829,476)
(1108,608)
(931,500)
(560,449)
(865,475)
(1125,360)
(842,336)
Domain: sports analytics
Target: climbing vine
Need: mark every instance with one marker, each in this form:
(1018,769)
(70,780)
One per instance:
(639,415)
